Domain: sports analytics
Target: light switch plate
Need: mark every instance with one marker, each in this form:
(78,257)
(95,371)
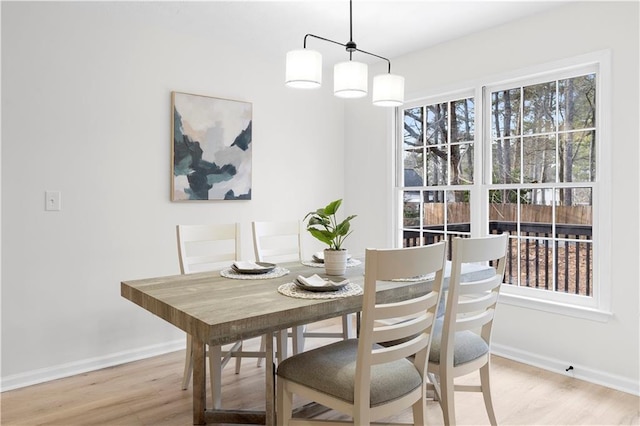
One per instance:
(52,200)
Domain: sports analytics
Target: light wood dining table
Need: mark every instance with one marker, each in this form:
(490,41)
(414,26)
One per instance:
(217,310)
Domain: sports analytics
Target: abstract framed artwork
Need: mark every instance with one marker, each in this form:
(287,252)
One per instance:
(211,149)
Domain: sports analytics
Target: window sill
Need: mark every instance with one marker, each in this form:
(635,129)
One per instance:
(575,311)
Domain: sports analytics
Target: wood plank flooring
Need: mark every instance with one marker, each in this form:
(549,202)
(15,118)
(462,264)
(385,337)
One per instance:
(148,393)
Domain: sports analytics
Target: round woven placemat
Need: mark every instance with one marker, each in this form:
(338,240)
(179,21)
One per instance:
(277,272)
(426,277)
(292,290)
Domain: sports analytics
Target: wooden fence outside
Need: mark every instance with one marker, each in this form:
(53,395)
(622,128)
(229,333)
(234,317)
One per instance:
(507,212)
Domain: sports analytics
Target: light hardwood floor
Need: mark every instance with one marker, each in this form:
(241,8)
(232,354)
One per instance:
(148,392)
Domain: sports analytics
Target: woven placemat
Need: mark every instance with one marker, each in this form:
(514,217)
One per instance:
(292,290)
(425,277)
(350,263)
(277,272)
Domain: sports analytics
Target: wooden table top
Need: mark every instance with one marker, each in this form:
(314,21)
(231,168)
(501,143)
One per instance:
(221,310)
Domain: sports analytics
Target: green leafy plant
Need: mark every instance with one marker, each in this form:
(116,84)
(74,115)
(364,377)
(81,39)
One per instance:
(324,225)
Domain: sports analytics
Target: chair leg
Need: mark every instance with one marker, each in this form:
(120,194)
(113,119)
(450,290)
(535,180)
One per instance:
(420,411)
(447,401)
(282,351)
(347,326)
(486,393)
(431,391)
(215,374)
(239,359)
(188,364)
(281,346)
(298,339)
(361,415)
(263,347)
(284,401)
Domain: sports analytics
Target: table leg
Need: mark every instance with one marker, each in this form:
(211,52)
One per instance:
(199,382)
(215,375)
(270,389)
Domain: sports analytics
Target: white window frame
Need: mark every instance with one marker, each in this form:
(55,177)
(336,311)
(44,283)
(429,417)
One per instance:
(597,306)
(473,189)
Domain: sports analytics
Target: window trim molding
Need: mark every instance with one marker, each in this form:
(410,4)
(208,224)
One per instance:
(554,307)
(599,305)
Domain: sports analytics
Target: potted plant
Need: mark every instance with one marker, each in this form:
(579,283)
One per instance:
(324,226)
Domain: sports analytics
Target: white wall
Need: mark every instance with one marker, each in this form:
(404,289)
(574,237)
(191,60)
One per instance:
(86,111)
(601,352)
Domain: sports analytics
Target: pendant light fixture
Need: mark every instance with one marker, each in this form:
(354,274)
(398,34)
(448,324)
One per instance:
(350,78)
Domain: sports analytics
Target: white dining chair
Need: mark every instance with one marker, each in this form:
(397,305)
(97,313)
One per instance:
(204,248)
(280,241)
(462,337)
(383,371)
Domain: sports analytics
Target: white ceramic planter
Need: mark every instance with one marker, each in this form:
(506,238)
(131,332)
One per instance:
(335,262)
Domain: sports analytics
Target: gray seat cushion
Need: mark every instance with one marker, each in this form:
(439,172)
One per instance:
(331,369)
(467,347)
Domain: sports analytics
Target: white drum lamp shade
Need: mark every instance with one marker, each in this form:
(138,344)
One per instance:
(350,79)
(303,69)
(388,90)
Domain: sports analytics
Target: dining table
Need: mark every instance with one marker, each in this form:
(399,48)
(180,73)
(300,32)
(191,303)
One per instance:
(217,308)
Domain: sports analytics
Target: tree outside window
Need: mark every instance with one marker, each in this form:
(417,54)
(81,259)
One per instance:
(540,139)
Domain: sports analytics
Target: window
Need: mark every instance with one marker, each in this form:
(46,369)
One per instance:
(522,157)
(542,172)
(438,144)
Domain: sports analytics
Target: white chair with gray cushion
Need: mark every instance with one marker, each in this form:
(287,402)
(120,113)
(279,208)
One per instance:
(359,377)
(205,248)
(462,337)
(280,241)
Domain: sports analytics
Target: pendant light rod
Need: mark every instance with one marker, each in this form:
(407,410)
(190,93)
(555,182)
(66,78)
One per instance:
(350,48)
(350,45)
(351,23)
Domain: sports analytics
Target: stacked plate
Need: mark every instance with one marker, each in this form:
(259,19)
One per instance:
(317,283)
(252,267)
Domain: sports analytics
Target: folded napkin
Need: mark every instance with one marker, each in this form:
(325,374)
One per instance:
(317,281)
(247,265)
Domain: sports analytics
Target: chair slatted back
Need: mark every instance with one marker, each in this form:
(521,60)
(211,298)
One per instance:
(409,334)
(471,304)
(277,241)
(207,247)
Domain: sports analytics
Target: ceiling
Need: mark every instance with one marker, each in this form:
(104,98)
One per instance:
(388,28)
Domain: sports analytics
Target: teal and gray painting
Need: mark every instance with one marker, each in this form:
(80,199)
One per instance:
(211,148)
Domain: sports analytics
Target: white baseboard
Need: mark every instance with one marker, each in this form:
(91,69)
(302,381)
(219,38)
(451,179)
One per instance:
(42,375)
(91,364)
(587,374)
